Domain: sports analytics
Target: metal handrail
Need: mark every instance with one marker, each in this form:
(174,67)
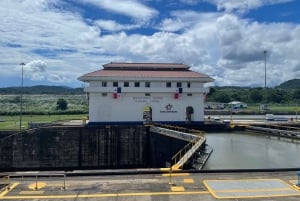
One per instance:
(5,180)
(184,149)
(37,175)
(191,135)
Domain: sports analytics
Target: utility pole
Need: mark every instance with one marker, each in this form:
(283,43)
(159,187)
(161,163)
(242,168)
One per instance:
(21,95)
(266,97)
(265,57)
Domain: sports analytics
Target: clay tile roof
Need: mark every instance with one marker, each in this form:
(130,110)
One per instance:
(145,66)
(145,70)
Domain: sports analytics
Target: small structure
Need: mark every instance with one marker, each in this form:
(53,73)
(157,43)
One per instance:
(237,105)
(135,93)
(214,106)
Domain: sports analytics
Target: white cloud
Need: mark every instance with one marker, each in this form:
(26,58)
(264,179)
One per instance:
(224,46)
(130,8)
(57,78)
(111,25)
(36,66)
(184,19)
(242,6)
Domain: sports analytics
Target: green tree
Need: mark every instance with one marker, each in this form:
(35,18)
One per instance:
(222,96)
(61,104)
(277,95)
(256,96)
(296,94)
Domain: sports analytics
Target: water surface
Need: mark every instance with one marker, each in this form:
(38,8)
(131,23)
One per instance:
(243,150)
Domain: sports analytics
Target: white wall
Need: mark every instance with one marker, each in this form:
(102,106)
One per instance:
(130,106)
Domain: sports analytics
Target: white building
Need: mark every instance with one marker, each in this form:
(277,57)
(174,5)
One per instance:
(237,105)
(134,93)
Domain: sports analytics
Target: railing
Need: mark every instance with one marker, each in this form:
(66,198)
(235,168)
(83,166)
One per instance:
(37,177)
(180,129)
(4,181)
(195,138)
(276,132)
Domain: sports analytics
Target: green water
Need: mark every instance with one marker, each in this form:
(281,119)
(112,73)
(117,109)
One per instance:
(242,150)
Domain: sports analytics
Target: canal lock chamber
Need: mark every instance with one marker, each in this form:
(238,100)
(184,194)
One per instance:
(91,147)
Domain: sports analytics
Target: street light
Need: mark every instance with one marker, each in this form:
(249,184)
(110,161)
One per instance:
(21,95)
(266,97)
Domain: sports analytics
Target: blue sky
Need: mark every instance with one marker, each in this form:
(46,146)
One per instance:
(60,40)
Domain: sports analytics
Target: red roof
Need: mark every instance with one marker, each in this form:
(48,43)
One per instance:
(144,70)
(146,66)
(140,73)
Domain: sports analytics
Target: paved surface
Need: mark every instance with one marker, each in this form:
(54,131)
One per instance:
(273,186)
(250,188)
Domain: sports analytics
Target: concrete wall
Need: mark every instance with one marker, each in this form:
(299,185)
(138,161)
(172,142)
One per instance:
(129,107)
(86,147)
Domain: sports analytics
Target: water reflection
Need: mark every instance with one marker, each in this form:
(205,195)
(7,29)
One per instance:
(243,150)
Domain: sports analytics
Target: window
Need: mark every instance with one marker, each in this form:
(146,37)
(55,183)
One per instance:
(126,84)
(136,84)
(168,84)
(147,84)
(104,84)
(147,94)
(189,94)
(115,84)
(189,85)
(104,94)
(179,84)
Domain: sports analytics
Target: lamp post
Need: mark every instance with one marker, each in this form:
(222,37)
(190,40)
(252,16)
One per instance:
(21,95)
(265,57)
(266,97)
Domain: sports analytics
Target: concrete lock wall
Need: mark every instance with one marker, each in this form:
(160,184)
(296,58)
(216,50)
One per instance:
(86,147)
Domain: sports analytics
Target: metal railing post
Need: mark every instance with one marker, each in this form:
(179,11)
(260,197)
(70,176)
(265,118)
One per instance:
(8,182)
(64,187)
(36,182)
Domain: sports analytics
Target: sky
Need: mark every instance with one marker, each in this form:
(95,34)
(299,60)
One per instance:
(60,40)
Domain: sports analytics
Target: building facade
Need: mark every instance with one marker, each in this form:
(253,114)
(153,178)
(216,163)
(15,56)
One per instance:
(137,93)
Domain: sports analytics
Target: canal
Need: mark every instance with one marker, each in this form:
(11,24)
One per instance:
(244,150)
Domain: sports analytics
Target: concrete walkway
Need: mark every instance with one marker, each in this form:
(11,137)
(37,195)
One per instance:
(145,187)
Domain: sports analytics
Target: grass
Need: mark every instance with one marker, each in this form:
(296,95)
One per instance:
(276,108)
(13,122)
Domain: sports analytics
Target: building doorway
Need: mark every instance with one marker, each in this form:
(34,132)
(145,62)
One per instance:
(147,115)
(189,112)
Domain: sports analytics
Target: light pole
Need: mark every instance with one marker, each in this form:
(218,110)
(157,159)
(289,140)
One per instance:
(266,97)
(265,57)
(21,95)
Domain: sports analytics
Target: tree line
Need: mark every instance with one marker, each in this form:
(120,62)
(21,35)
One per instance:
(254,95)
(42,89)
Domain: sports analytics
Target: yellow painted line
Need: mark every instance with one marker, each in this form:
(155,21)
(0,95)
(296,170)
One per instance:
(36,186)
(230,180)
(253,190)
(175,174)
(168,169)
(103,195)
(10,188)
(31,192)
(209,188)
(296,187)
(255,196)
(164,169)
(214,192)
(293,181)
(177,188)
(188,181)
